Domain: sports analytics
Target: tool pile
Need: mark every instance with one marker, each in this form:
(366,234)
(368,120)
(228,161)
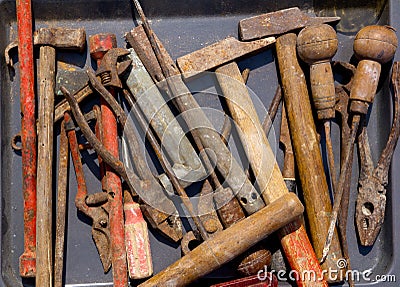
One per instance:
(140,88)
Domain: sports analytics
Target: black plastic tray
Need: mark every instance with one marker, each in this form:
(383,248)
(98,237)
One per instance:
(183,26)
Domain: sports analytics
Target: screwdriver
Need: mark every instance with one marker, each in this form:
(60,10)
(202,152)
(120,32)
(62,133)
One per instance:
(316,45)
(373,45)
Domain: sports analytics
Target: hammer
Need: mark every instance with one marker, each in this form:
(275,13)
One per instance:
(229,243)
(49,39)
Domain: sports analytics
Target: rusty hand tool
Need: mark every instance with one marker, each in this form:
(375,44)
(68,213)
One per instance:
(62,200)
(278,22)
(371,199)
(80,95)
(229,49)
(185,162)
(229,243)
(95,206)
(137,243)
(347,71)
(258,256)
(99,44)
(158,209)
(84,92)
(268,176)
(27,261)
(166,221)
(306,149)
(316,45)
(206,135)
(167,168)
(373,45)
(59,38)
(230,212)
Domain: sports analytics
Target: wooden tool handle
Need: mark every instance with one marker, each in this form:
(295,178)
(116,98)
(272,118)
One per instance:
(316,45)
(137,242)
(62,202)
(294,238)
(306,148)
(365,83)
(228,244)
(323,90)
(373,45)
(44,239)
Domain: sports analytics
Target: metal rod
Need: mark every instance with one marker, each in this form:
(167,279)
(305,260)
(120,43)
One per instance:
(340,187)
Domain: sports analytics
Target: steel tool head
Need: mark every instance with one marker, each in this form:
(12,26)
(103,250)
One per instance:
(218,54)
(63,38)
(371,200)
(108,67)
(278,22)
(370,209)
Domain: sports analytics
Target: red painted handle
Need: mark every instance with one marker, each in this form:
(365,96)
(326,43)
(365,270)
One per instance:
(27,261)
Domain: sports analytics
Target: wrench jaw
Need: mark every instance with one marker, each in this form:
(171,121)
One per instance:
(108,71)
(370,210)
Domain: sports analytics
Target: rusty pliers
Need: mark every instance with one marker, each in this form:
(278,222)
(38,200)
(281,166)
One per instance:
(371,200)
(94,205)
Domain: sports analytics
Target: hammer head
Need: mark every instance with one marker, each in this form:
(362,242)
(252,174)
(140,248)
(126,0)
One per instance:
(61,38)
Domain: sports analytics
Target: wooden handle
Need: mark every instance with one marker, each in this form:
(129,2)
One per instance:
(306,149)
(316,45)
(323,90)
(294,238)
(365,83)
(373,45)
(62,202)
(137,242)
(228,244)
(44,239)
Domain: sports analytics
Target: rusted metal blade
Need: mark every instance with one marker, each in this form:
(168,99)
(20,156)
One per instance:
(219,53)
(277,23)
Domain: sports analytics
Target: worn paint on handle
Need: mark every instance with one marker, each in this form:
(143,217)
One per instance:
(27,261)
